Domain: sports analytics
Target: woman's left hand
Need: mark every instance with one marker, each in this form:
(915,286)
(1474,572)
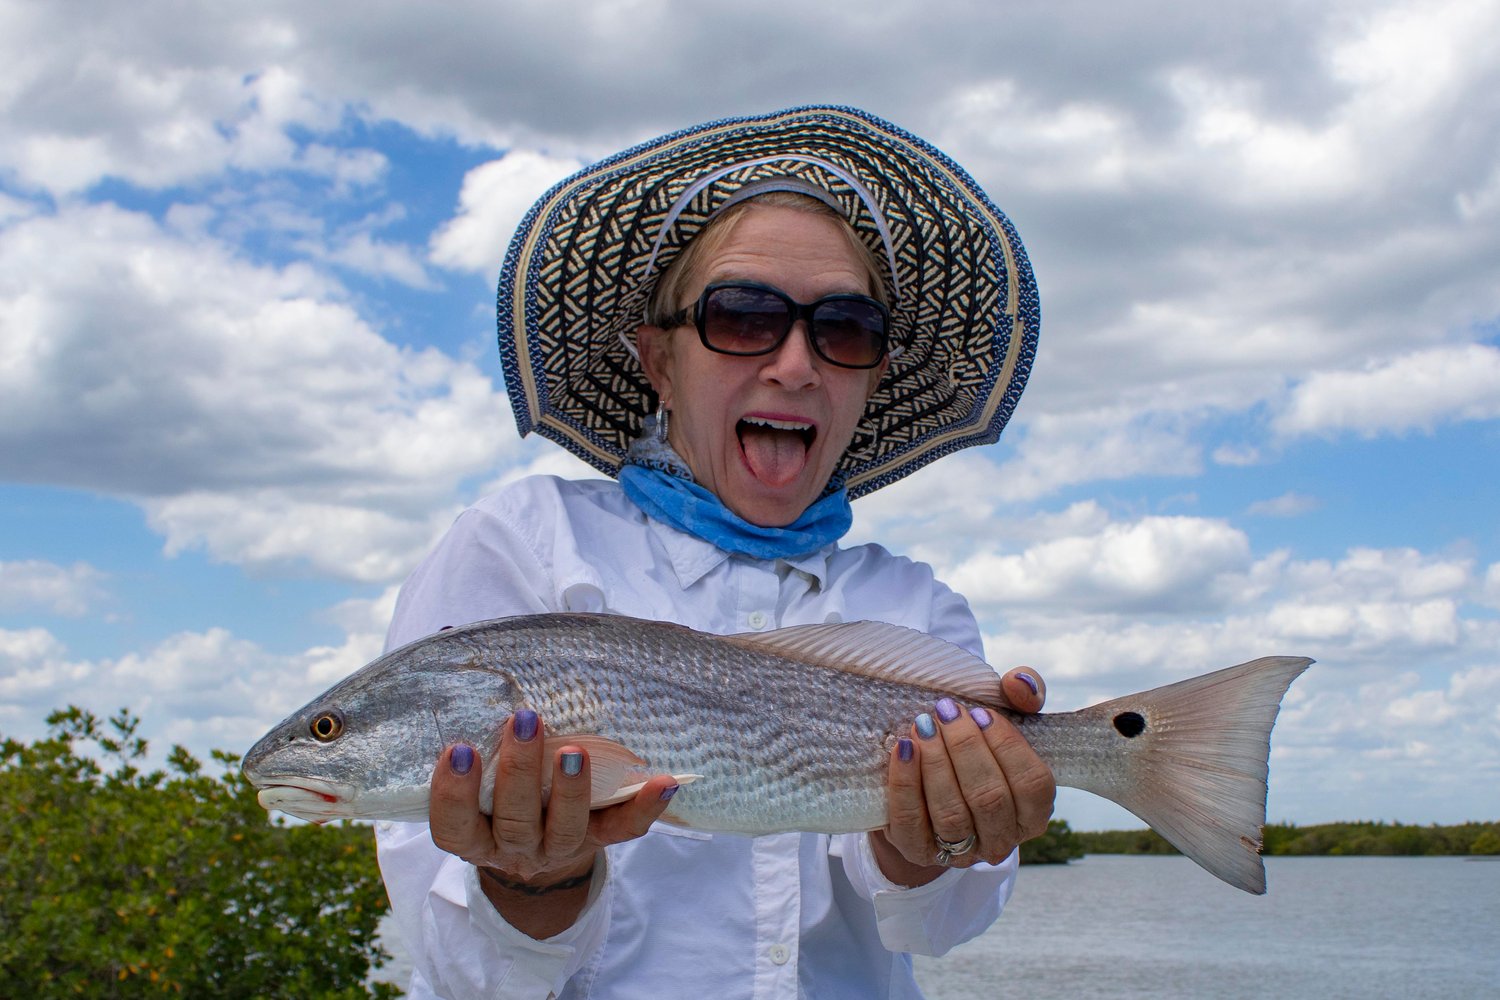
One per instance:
(970,773)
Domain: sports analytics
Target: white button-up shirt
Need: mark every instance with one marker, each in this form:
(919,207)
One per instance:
(677,913)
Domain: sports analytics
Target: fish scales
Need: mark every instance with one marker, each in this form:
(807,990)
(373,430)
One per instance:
(780,744)
(780,731)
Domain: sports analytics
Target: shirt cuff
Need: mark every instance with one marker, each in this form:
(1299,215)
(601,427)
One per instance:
(880,885)
(921,919)
(540,969)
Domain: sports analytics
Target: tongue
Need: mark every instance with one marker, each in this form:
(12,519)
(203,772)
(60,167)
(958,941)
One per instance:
(776,457)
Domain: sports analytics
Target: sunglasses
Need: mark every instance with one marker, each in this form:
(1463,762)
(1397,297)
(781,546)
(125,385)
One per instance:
(745,318)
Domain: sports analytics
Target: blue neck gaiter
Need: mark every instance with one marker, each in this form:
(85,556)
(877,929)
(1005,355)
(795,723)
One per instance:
(659,483)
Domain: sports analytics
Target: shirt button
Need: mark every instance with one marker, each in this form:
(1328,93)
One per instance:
(780,953)
(757,619)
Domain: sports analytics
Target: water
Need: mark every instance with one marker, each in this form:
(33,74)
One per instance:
(1118,927)
(1114,926)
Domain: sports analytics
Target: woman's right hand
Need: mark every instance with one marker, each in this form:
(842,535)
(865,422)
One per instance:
(534,858)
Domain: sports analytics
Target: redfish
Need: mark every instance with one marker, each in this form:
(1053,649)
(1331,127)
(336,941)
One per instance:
(789,730)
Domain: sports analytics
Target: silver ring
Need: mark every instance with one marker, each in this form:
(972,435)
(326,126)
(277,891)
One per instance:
(948,851)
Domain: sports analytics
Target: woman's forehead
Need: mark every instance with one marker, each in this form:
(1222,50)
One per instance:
(786,247)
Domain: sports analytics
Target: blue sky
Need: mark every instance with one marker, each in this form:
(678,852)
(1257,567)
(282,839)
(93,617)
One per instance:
(247,368)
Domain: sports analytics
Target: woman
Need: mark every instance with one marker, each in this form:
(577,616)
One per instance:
(813,303)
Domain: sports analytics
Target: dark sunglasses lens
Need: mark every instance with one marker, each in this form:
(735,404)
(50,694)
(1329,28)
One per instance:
(744,320)
(850,332)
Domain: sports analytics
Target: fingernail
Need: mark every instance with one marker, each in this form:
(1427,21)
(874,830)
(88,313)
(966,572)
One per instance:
(525,725)
(981,718)
(1029,681)
(926,728)
(904,750)
(572,763)
(668,792)
(947,709)
(461,759)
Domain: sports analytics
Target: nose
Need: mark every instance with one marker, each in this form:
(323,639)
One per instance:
(793,365)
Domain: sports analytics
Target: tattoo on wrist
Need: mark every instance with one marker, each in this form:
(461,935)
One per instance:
(535,890)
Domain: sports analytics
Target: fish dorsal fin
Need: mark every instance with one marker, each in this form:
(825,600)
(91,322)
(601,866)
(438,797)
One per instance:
(883,651)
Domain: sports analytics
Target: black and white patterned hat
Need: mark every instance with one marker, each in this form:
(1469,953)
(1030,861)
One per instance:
(582,266)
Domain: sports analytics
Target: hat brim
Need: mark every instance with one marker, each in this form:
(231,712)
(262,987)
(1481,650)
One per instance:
(586,258)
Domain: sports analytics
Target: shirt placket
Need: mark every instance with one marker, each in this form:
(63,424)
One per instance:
(774,859)
(778,914)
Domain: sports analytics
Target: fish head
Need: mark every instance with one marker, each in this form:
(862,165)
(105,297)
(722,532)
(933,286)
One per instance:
(366,748)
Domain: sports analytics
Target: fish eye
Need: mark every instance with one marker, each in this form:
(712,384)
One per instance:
(327,727)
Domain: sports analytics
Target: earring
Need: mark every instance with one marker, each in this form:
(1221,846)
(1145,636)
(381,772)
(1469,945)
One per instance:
(662,417)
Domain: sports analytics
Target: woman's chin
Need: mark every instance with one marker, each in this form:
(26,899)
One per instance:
(770,506)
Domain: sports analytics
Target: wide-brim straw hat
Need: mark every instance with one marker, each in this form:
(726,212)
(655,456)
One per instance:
(586,258)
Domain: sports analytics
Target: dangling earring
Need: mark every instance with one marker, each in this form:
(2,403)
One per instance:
(662,416)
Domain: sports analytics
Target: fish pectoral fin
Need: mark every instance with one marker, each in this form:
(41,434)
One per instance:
(615,772)
(627,792)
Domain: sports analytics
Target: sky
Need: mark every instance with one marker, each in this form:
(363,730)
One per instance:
(247,368)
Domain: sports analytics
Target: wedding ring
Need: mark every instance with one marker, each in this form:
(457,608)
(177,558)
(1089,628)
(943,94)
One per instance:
(948,851)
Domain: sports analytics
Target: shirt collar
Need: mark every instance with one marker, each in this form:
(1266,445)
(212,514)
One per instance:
(692,558)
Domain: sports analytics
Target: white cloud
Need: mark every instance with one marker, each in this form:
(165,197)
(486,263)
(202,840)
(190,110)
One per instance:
(278,530)
(88,101)
(1059,450)
(1287,505)
(1416,391)
(31,584)
(206,690)
(146,362)
(1156,563)
(366,254)
(494,198)
(1088,597)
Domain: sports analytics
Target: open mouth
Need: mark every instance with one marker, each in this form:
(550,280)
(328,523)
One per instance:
(775,450)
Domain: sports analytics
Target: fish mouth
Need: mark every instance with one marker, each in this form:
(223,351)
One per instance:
(312,799)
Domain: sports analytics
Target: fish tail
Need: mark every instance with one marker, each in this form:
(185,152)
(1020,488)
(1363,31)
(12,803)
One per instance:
(1196,760)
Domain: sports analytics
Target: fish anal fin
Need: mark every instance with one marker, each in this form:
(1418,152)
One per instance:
(627,792)
(882,651)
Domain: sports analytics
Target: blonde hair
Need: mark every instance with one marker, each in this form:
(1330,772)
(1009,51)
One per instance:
(668,296)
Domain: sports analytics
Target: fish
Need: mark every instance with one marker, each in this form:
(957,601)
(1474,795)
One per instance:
(766,732)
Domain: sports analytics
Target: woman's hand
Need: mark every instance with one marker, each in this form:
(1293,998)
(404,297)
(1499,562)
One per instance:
(534,856)
(963,774)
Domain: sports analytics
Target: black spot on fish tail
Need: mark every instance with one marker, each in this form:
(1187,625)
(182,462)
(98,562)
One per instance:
(1130,724)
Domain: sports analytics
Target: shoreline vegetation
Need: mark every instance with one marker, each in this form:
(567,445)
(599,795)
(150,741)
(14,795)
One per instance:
(1060,844)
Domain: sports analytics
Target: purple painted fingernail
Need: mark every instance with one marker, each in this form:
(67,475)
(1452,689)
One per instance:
(904,750)
(947,709)
(525,725)
(668,792)
(572,763)
(926,728)
(1029,681)
(981,717)
(461,760)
